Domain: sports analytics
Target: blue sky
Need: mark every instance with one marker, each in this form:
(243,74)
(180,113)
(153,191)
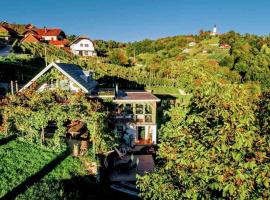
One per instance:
(130,20)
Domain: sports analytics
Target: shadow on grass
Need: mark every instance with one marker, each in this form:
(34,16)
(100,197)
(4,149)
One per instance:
(8,139)
(21,188)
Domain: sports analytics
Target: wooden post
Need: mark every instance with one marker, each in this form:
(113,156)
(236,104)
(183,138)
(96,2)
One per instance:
(16,86)
(46,62)
(11,87)
(42,135)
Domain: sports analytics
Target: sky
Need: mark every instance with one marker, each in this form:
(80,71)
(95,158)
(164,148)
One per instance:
(133,20)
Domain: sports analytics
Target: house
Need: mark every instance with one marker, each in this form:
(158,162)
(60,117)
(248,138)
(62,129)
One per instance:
(68,77)
(53,36)
(7,33)
(82,46)
(136,116)
(30,37)
(225,46)
(186,50)
(59,43)
(192,44)
(49,34)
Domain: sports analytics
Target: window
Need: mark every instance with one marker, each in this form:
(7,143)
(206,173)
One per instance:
(139,109)
(52,83)
(81,45)
(86,53)
(139,118)
(148,109)
(86,45)
(128,109)
(119,109)
(148,118)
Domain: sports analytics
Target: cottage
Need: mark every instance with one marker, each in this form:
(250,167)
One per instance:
(136,116)
(30,37)
(67,77)
(52,36)
(192,44)
(82,46)
(225,46)
(49,34)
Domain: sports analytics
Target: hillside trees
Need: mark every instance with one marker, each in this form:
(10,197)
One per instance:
(118,57)
(249,55)
(214,149)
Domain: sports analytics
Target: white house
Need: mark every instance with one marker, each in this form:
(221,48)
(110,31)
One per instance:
(82,46)
(136,113)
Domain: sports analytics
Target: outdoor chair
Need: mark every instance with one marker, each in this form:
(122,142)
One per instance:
(121,155)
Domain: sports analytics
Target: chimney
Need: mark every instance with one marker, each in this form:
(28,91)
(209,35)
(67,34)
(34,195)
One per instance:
(45,29)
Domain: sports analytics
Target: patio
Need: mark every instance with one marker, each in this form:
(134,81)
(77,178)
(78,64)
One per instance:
(145,164)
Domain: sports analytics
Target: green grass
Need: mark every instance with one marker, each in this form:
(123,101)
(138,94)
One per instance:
(172,91)
(21,160)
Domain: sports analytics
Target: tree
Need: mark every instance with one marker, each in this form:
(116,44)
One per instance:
(213,149)
(118,57)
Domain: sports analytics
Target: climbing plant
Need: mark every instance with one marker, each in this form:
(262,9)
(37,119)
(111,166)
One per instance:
(29,114)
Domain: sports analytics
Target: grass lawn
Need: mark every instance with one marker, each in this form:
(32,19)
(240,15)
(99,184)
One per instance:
(28,171)
(172,91)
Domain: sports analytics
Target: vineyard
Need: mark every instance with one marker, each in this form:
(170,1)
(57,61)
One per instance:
(35,165)
(212,145)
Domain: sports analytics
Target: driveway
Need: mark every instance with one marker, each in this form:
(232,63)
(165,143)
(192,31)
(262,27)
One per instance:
(6,50)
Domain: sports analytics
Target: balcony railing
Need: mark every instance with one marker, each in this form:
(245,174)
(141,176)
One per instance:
(139,118)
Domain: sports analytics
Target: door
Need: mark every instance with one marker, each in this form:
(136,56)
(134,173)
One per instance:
(141,133)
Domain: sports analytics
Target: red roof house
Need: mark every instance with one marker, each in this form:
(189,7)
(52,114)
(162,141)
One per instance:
(225,46)
(51,33)
(53,36)
(31,38)
(59,43)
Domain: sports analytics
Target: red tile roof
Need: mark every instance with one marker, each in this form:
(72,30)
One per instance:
(59,42)
(31,38)
(226,46)
(49,31)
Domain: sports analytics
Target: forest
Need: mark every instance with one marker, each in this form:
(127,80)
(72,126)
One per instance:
(213,146)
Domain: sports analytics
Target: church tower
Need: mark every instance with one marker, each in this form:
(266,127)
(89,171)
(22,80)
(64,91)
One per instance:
(214,31)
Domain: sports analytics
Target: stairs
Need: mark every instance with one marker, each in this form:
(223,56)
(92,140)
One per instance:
(126,188)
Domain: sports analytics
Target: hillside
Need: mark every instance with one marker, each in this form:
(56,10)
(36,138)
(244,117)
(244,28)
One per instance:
(213,118)
(20,28)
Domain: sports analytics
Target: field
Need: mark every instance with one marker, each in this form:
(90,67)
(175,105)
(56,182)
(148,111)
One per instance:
(28,171)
